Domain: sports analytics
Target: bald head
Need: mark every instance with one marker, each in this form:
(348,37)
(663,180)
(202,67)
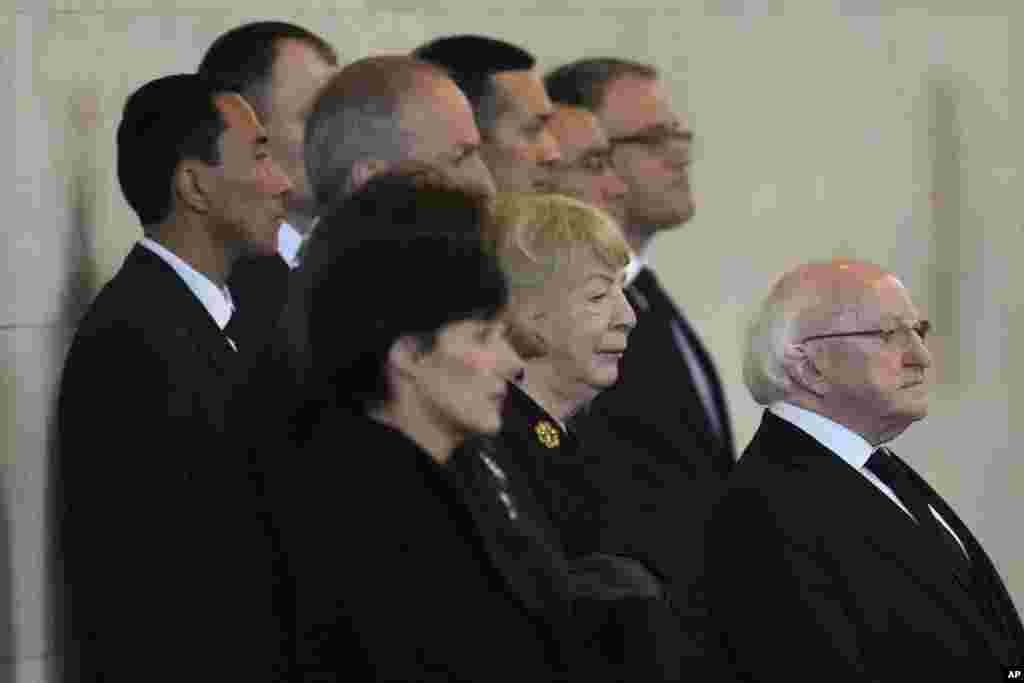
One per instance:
(819,295)
(376,112)
(841,338)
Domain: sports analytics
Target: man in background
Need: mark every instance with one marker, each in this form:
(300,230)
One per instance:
(511,108)
(278,67)
(372,116)
(586,170)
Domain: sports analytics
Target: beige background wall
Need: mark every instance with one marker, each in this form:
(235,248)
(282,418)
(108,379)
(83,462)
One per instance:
(858,128)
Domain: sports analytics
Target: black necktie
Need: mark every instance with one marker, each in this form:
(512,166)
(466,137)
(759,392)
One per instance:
(896,475)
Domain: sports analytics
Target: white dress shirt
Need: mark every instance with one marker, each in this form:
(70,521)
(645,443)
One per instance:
(216,300)
(289,241)
(638,262)
(851,448)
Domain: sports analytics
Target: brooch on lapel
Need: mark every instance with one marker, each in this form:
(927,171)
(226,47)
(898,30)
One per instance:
(547,434)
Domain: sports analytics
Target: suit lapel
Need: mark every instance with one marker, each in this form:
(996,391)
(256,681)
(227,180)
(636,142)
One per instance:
(884,526)
(647,295)
(168,295)
(718,395)
(983,567)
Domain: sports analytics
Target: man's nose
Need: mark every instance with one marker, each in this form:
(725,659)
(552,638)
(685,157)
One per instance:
(614,187)
(918,351)
(281,182)
(550,152)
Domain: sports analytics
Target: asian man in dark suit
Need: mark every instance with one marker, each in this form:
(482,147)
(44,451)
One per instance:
(828,556)
(167,561)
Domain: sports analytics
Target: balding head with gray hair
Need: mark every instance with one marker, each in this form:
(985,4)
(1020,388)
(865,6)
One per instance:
(380,111)
(807,300)
(842,339)
(358,117)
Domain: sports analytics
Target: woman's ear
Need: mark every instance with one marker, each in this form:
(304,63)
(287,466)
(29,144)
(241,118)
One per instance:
(804,369)
(404,355)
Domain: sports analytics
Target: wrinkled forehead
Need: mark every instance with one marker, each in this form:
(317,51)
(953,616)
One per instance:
(853,304)
(238,115)
(633,104)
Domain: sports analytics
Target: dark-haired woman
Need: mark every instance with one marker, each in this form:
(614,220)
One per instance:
(393,578)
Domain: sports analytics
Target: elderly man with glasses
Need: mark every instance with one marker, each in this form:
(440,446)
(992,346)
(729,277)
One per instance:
(823,528)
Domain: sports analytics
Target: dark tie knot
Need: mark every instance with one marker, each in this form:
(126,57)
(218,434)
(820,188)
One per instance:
(882,464)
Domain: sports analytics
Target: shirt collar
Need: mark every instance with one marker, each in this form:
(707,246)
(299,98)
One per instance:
(216,300)
(848,445)
(637,262)
(288,242)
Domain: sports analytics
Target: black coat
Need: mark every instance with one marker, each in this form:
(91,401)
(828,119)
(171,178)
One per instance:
(620,609)
(393,576)
(163,536)
(817,574)
(259,287)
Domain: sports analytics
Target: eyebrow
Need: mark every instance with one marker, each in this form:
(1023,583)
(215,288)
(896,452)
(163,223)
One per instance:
(600,276)
(598,151)
(544,117)
(674,128)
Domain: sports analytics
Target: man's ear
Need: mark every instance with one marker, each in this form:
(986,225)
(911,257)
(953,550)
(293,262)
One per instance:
(364,169)
(804,369)
(193,186)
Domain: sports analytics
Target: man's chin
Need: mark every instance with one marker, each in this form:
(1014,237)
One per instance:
(672,218)
(682,215)
(264,248)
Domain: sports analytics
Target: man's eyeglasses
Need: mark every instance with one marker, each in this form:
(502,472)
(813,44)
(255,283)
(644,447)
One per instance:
(594,163)
(658,139)
(899,334)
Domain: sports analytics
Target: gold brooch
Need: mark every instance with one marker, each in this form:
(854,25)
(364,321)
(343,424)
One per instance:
(547,433)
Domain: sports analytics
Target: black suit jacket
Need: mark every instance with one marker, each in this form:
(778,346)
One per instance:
(394,578)
(163,535)
(620,609)
(815,573)
(655,406)
(259,286)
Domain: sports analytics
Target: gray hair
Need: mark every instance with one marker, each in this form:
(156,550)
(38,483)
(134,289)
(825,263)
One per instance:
(776,325)
(357,116)
(767,334)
